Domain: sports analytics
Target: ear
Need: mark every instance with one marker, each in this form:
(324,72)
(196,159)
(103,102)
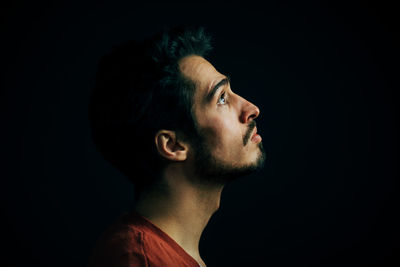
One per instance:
(169,147)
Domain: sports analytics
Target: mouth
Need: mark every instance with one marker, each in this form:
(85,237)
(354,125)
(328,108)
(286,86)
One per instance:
(256,138)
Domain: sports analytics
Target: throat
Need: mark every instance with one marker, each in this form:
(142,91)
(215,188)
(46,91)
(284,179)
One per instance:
(182,213)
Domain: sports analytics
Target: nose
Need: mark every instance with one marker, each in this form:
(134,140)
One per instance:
(249,111)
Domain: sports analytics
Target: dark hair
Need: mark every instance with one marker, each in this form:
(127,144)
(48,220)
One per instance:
(139,90)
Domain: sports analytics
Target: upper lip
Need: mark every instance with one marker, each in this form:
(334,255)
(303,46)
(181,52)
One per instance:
(254,132)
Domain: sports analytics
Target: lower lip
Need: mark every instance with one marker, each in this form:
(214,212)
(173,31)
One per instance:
(256,138)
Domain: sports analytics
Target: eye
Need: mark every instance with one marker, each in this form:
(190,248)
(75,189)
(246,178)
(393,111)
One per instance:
(222,99)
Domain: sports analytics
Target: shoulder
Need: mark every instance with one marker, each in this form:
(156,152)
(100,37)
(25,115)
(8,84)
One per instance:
(120,245)
(134,241)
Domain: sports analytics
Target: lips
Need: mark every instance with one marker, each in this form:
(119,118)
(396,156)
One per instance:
(256,138)
(254,132)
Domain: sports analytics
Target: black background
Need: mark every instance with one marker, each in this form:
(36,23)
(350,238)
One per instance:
(323,75)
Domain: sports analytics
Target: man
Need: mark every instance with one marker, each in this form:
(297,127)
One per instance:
(164,116)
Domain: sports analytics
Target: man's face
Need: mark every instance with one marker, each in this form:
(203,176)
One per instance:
(229,146)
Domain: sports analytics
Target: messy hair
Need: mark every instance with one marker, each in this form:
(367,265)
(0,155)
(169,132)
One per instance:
(140,90)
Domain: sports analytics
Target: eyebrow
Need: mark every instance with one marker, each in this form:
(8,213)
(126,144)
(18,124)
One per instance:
(212,92)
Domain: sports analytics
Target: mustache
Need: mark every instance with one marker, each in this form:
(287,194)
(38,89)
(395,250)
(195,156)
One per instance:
(247,136)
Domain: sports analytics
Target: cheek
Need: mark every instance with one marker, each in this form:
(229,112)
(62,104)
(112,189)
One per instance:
(221,130)
(223,136)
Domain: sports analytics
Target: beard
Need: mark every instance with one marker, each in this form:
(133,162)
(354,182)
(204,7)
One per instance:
(212,170)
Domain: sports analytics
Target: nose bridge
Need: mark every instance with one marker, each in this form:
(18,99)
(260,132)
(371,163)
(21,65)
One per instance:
(248,111)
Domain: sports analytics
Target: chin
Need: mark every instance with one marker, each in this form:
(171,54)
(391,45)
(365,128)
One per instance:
(217,170)
(260,158)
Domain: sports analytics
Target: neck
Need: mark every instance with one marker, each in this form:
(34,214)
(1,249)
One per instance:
(182,209)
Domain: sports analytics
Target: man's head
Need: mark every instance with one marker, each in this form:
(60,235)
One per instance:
(156,93)
(228,146)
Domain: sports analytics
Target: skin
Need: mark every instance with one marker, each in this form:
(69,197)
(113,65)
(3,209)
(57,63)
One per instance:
(185,200)
(225,119)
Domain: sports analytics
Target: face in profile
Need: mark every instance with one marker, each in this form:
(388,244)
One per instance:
(228,145)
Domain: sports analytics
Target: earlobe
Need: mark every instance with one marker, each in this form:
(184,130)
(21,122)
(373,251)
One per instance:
(169,147)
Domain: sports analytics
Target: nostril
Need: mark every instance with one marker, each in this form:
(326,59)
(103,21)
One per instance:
(252,116)
(254,113)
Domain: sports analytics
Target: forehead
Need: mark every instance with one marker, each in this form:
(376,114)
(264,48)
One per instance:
(200,71)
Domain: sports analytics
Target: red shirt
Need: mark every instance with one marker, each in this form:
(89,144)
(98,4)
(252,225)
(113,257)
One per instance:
(134,241)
